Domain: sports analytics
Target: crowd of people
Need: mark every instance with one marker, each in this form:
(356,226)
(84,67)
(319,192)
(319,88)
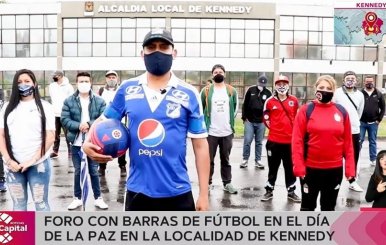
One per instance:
(299,136)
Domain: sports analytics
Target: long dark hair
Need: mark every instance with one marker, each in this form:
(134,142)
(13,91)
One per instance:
(14,100)
(378,171)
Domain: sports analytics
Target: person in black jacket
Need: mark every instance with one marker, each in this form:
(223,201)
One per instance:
(252,116)
(377,184)
(3,188)
(372,115)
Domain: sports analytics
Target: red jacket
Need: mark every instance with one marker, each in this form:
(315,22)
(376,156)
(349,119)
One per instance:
(330,140)
(279,122)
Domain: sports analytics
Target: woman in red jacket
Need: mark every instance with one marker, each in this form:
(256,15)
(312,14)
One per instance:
(321,139)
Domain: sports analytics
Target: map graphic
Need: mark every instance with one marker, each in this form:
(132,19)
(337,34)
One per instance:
(359,26)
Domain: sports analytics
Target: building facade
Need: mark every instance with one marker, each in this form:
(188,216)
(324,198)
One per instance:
(249,38)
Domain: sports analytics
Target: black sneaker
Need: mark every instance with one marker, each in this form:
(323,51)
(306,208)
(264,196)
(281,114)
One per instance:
(267,196)
(123,171)
(293,197)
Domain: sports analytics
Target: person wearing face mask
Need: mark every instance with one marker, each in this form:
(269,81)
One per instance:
(353,101)
(220,104)
(278,115)
(373,112)
(162,111)
(59,90)
(107,93)
(79,112)
(27,133)
(252,116)
(322,147)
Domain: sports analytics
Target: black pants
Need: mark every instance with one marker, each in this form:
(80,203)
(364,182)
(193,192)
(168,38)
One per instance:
(1,168)
(225,144)
(121,162)
(140,202)
(325,181)
(356,142)
(58,130)
(276,153)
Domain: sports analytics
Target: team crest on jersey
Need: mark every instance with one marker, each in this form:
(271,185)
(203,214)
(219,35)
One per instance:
(291,103)
(179,97)
(337,117)
(134,92)
(264,97)
(173,110)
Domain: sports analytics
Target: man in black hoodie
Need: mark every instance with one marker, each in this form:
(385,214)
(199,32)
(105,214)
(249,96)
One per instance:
(252,116)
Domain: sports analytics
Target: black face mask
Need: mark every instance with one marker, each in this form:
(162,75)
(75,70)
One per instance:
(56,79)
(158,63)
(369,85)
(324,96)
(218,78)
(26,90)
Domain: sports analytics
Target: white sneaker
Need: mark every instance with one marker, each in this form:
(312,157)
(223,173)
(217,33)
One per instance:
(372,163)
(355,187)
(259,165)
(100,203)
(76,203)
(244,164)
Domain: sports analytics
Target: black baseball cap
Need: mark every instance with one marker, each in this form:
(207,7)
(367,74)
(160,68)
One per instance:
(263,80)
(158,34)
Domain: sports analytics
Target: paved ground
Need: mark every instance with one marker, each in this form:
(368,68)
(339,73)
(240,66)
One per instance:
(250,182)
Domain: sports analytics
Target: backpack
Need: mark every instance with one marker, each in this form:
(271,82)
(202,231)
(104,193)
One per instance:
(310,109)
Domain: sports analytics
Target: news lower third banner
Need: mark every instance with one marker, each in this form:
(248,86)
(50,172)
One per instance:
(192,228)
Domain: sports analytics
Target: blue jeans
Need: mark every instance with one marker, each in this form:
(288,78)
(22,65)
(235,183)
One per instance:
(250,130)
(38,178)
(372,131)
(93,171)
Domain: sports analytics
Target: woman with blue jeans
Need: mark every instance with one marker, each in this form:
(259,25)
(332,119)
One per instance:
(27,132)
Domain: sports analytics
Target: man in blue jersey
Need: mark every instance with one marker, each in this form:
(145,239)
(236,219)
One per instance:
(162,111)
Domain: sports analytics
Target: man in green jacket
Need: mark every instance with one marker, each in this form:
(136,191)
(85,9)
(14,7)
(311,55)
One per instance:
(220,104)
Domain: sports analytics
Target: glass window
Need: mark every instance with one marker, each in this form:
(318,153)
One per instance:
(113,35)
(342,53)
(70,49)
(178,35)
(158,23)
(50,49)
(267,24)
(128,22)
(50,35)
(84,22)
(286,51)
(114,49)
(36,35)
(178,23)
(70,35)
(22,50)
(286,23)
(251,36)
(300,37)
(300,51)
(22,36)
(207,35)
(208,23)
(50,21)
(286,37)
(315,52)
(193,50)
(223,23)
(99,35)
(266,51)
(237,50)
(8,22)
(207,50)
(99,22)
(266,36)
(300,93)
(314,37)
(22,21)
(193,35)
(251,24)
(128,49)
(141,33)
(237,36)
(9,50)
(128,35)
(328,52)
(70,23)
(328,24)
(114,22)
(180,49)
(328,38)
(237,24)
(300,23)
(84,35)
(143,22)
(356,53)
(84,49)
(223,36)
(314,24)
(36,21)
(299,79)
(8,36)
(192,77)
(370,53)
(37,50)
(99,49)
(193,23)
(222,50)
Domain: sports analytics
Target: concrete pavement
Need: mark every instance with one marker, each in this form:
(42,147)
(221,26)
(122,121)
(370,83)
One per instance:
(249,181)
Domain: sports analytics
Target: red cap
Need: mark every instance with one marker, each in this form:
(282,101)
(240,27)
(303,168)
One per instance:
(282,78)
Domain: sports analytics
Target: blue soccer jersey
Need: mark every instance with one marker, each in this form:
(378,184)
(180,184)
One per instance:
(158,136)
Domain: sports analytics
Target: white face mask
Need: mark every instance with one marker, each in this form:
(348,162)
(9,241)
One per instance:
(260,87)
(282,89)
(84,87)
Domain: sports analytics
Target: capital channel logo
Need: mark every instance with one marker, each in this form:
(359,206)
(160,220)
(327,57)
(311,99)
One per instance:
(151,133)
(17,227)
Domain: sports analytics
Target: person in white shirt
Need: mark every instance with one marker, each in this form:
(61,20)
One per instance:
(353,101)
(25,141)
(59,90)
